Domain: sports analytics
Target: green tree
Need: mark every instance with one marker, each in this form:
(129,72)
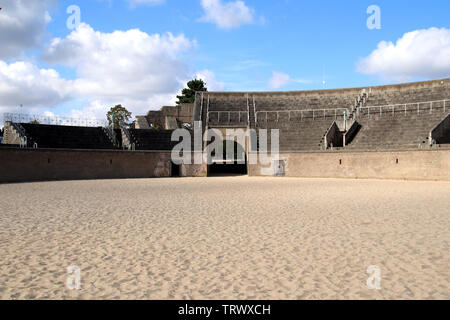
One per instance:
(34,122)
(118,117)
(188,94)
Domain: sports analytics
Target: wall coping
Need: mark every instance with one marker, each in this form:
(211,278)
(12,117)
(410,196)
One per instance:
(446,149)
(407,85)
(84,150)
(343,151)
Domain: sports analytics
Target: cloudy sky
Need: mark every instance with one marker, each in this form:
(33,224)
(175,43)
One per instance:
(140,53)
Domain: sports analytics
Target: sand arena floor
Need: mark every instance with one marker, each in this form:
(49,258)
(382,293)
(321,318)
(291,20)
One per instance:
(225,238)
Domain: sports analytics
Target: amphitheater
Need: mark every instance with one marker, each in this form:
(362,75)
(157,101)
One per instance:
(386,132)
(367,183)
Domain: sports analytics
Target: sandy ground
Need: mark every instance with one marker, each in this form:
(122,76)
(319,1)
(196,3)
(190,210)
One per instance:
(225,238)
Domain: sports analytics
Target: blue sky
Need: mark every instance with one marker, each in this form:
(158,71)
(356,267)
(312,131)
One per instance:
(244,45)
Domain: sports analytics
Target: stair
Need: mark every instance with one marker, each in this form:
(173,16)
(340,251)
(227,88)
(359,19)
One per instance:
(399,131)
(227,111)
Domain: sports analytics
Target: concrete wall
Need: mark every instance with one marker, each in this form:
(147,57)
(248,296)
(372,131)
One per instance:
(10,135)
(155,118)
(21,165)
(411,165)
(333,137)
(141,123)
(182,113)
(351,132)
(345,91)
(194,170)
(440,133)
(185,112)
(25,165)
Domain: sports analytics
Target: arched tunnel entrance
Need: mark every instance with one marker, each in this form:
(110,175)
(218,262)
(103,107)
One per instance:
(233,165)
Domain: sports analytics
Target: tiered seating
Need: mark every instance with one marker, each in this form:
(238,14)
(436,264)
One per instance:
(380,98)
(304,117)
(230,110)
(299,115)
(146,139)
(395,131)
(298,136)
(400,118)
(52,136)
(276,103)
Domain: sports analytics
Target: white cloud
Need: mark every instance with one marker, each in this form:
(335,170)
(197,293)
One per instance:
(211,82)
(228,15)
(278,80)
(97,109)
(94,110)
(418,54)
(133,68)
(49,114)
(22,25)
(138,70)
(22,83)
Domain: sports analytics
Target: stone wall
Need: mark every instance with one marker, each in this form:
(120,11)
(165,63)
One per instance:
(24,165)
(45,164)
(345,91)
(10,135)
(183,113)
(333,138)
(194,170)
(155,118)
(400,165)
(141,123)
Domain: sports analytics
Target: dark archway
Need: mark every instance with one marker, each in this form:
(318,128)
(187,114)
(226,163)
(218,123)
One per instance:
(233,167)
(175,171)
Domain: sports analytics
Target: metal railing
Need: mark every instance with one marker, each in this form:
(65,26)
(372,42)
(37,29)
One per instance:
(416,107)
(54,120)
(23,142)
(207,111)
(248,109)
(109,131)
(254,110)
(19,129)
(360,102)
(131,145)
(305,114)
(225,116)
(201,105)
